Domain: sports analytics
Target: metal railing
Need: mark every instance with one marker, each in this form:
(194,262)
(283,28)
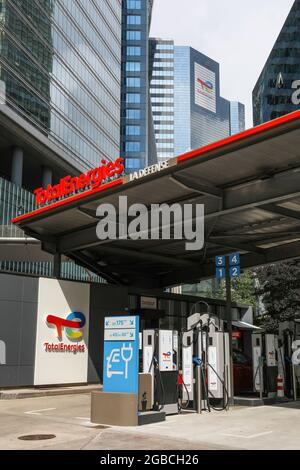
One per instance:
(15,201)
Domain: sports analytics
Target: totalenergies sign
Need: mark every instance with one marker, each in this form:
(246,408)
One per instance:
(205,88)
(206,85)
(68,185)
(73,326)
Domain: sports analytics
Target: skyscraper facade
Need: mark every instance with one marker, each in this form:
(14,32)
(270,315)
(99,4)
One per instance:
(201,115)
(276,92)
(60,81)
(237,117)
(136,116)
(162,95)
(60,70)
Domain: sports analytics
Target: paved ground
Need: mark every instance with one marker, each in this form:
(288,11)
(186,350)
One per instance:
(269,427)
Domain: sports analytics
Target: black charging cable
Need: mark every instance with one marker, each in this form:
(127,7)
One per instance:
(224,407)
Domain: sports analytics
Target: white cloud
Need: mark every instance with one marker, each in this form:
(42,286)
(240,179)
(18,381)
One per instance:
(238,34)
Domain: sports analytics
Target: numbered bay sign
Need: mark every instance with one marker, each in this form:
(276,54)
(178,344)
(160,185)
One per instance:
(235,259)
(235,268)
(235,272)
(220,261)
(220,267)
(234,263)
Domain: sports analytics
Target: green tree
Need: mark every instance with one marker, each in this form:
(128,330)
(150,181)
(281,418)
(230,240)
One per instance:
(279,289)
(268,323)
(243,290)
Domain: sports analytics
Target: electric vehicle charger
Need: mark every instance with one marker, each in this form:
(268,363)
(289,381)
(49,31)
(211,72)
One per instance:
(180,398)
(205,345)
(160,355)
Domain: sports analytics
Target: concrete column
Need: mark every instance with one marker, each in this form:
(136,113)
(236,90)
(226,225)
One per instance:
(57,266)
(17,166)
(47,176)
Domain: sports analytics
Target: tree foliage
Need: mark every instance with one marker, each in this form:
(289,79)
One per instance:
(279,289)
(243,290)
(268,323)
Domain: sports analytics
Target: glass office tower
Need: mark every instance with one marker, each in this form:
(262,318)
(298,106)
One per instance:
(162,95)
(136,116)
(201,115)
(60,69)
(272,95)
(26,61)
(237,117)
(60,82)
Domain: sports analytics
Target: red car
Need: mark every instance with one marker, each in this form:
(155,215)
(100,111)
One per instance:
(242,372)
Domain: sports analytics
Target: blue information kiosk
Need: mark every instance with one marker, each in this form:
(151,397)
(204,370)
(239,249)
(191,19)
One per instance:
(117,404)
(121,355)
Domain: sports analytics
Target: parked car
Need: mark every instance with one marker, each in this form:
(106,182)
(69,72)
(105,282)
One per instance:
(242,372)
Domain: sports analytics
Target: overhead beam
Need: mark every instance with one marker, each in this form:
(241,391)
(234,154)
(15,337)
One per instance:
(127,276)
(285,252)
(248,247)
(87,238)
(199,186)
(87,262)
(88,212)
(288,237)
(263,238)
(42,237)
(151,257)
(242,230)
(288,213)
(257,237)
(79,240)
(281,187)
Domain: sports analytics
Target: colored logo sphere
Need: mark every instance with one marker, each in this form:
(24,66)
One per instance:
(73,325)
(73,332)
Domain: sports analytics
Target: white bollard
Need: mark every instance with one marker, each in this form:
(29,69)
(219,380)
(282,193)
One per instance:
(280,386)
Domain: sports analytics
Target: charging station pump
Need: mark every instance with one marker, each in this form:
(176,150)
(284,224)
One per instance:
(206,346)
(265,363)
(160,359)
(288,334)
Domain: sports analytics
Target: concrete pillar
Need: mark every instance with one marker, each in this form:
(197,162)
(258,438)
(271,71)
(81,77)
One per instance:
(57,266)
(17,166)
(47,176)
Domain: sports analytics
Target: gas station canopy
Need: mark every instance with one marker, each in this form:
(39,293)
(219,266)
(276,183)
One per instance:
(249,184)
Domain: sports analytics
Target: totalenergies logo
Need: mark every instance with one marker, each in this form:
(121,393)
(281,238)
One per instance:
(73,325)
(206,85)
(167,356)
(70,185)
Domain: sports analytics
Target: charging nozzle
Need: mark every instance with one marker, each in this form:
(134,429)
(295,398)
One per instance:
(197,361)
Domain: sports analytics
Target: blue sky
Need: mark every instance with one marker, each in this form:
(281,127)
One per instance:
(237,33)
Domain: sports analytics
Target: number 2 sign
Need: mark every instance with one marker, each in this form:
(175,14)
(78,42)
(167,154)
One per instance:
(235,272)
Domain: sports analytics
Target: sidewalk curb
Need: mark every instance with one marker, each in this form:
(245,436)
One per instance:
(22,394)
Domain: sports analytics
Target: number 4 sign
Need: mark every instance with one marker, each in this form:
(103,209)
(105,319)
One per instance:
(234,260)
